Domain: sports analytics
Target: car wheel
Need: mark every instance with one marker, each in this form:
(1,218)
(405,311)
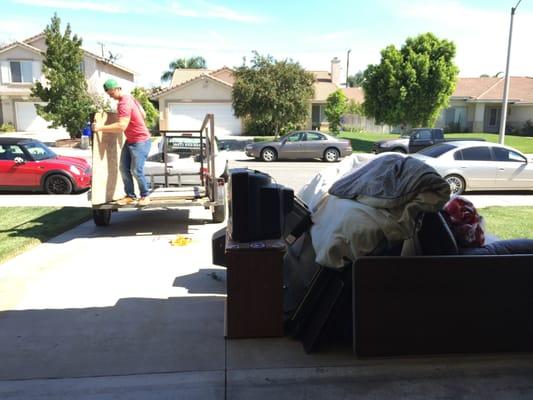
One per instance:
(57,184)
(331,155)
(269,154)
(457,184)
(399,150)
(101,217)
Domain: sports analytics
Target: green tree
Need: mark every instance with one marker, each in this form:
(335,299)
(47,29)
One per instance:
(411,85)
(336,107)
(68,101)
(152,115)
(183,63)
(273,96)
(354,109)
(356,80)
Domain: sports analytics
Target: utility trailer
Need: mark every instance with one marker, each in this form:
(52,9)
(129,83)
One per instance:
(107,186)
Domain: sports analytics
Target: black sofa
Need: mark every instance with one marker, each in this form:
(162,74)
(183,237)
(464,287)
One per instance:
(449,300)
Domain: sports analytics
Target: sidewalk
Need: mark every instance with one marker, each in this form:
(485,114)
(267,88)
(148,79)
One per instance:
(118,313)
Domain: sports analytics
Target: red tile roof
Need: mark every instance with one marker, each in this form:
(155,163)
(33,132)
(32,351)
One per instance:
(491,89)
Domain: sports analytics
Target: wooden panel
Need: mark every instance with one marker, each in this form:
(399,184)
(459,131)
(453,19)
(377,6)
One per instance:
(254,306)
(106,182)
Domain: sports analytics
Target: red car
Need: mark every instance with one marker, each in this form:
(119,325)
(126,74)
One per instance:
(28,164)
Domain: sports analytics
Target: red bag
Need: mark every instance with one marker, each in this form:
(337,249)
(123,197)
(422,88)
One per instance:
(466,224)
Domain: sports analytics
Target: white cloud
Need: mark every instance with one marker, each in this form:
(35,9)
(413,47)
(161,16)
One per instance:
(194,9)
(74,5)
(481,35)
(214,11)
(11,30)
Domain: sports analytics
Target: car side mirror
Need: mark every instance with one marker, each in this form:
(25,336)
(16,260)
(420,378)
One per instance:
(284,141)
(18,160)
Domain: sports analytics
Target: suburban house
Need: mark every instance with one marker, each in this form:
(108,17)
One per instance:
(327,82)
(193,93)
(476,105)
(20,68)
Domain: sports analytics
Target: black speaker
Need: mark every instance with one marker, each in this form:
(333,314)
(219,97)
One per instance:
(298,221)
(218,247)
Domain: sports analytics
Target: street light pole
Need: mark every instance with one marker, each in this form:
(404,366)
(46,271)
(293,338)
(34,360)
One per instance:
(503,121)
(348,64)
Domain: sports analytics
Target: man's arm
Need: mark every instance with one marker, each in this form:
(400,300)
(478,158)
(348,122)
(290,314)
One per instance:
(116,127)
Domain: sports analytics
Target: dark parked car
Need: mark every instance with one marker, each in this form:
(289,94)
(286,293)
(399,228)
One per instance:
(28,164)
(301,145)
(410,142)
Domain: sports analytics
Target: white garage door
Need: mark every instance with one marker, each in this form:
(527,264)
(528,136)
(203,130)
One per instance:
(27,118)
(190,116)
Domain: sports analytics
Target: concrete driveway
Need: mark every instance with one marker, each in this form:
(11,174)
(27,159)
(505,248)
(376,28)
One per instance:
(115,301)
(118,313)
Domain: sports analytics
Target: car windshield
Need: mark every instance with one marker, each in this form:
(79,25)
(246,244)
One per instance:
(39,151)
(436,150)
(406,135)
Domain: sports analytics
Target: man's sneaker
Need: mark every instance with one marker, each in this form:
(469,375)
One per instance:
(144,201)
(125,201)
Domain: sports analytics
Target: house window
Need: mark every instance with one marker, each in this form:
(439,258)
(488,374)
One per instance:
(455,115)
(492,116)
(21,71)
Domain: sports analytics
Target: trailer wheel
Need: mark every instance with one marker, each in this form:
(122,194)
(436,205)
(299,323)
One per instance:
(101,217)
(219,213)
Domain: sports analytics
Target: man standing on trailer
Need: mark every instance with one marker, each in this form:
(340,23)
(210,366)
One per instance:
(135,151)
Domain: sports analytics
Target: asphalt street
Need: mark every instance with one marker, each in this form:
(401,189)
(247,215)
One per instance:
(294,174)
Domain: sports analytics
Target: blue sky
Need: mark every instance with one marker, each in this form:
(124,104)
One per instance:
(149,34)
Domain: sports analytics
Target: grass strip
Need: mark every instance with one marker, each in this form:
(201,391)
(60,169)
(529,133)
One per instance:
(508,222)
(22,228)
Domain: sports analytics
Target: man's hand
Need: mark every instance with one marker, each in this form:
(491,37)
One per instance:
(95,127)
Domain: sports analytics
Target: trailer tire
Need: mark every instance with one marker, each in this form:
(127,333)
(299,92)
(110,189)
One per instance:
(102,217)
(219,213)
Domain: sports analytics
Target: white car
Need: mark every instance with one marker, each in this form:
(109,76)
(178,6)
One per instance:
(183,162)
(474,165)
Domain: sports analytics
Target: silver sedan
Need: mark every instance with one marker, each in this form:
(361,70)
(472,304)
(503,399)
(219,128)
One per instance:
(471,165)
(301,145)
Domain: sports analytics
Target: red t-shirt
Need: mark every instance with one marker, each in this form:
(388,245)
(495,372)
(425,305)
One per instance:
(136,131)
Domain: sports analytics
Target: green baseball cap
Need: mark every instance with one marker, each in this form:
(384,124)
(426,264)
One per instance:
(111,84)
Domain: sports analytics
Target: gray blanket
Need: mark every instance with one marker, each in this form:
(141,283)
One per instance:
(390,181)
(375,206)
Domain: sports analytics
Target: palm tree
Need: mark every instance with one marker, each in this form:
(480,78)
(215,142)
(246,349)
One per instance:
(356,80)
(183,63)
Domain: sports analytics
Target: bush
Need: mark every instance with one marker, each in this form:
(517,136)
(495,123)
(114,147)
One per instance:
(8,127)
(527,130)
(260,128)
(453,127)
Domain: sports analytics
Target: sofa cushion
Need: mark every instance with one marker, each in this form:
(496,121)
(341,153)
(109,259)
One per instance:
(514,246)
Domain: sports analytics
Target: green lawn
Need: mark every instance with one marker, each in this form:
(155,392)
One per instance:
(509,222)
(22,228)
(362,141)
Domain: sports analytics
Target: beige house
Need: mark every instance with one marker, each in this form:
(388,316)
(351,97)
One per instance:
(327,82)
(192,94)
(195,92)
(20,68)
(476,105)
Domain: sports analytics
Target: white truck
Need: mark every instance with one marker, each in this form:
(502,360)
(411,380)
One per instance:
(193,181)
